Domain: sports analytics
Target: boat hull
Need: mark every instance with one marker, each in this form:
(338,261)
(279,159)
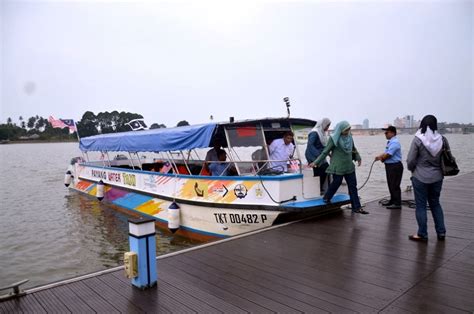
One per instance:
(203,222)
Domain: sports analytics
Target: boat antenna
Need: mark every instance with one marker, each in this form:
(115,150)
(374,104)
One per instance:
(287,102)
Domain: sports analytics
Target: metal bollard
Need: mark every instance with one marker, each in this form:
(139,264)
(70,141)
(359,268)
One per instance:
(142,242)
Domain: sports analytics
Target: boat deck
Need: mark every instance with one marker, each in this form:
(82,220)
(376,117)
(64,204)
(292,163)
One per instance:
(340,263)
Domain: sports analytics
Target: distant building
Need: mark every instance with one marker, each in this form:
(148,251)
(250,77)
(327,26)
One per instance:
(405,122)
(365,123)
(357,126)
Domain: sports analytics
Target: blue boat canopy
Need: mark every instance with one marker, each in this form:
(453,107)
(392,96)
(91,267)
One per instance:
(156,140)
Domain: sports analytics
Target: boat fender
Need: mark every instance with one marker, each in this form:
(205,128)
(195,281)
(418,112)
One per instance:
(67,178)
(100,190)
(173,217)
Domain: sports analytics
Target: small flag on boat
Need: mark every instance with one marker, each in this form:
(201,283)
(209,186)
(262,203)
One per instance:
(62,123)
(70,124)
(137,124)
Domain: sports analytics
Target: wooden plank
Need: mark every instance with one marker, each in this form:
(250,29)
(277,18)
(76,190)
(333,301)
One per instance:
(291,288)
(395,310)
(445,295)
(453,278)
(219,303)
(10,306)
(111,296)
(334,270)
(248,283)
(91,298)
(29,304)
(222,283)
(74,303)
(144,300)
(24,304)
(173,304)
(50,302)
(309,284)
(167,267)
(424,305)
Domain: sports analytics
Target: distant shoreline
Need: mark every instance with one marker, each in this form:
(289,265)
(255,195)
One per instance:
(37,141)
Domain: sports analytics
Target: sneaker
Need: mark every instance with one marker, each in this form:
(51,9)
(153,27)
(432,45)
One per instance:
(441,237)
(386,203)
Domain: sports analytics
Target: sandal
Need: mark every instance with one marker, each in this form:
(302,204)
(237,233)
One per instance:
(416,237)
(360,211)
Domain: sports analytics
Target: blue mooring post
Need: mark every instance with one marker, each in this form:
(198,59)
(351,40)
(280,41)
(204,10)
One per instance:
(142,241)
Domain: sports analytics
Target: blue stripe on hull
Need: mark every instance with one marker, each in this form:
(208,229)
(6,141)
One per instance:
(132,200)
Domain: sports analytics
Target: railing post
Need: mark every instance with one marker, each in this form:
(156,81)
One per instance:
(142,242)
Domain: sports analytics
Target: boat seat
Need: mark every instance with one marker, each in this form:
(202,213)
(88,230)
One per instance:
(182,169)
(204,172)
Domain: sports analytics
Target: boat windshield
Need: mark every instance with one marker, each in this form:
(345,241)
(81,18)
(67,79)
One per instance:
(247,147)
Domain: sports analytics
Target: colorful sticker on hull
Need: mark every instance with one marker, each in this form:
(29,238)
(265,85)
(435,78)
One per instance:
(217,191)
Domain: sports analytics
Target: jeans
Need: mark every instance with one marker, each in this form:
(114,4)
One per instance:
(351,181)
(430,193)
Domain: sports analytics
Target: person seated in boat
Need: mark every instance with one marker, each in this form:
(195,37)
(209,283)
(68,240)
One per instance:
(220,168)
(211,155)
(260,155)
(281,150)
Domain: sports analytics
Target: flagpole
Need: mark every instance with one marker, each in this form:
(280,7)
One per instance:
(79,140)
(77,132)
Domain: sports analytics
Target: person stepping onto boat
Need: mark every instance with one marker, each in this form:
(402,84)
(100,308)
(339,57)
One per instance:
(392,158)
(341,146)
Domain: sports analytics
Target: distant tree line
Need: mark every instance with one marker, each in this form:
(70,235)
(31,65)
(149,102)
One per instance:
(37,127)
(34,128)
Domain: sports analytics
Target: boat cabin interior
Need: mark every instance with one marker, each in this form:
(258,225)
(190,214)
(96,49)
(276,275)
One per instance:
(245,143)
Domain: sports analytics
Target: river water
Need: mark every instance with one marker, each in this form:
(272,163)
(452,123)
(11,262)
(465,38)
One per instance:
(48,233)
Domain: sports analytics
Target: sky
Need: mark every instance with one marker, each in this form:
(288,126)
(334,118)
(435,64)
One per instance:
(188,60)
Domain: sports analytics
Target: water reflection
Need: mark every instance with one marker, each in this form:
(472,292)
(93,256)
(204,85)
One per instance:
(104,230)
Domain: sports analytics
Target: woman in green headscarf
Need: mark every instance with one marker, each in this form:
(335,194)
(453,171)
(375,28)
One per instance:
(343,152)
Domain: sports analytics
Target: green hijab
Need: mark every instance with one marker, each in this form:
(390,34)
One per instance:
(344,142)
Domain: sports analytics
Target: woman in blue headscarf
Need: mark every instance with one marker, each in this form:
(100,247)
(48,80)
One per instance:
(343,153)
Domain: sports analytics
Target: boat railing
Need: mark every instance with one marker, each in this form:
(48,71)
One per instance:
(263,167)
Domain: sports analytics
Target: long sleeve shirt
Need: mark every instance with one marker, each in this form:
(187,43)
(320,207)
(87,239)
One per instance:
(424,166)
(314,147)
(341,161)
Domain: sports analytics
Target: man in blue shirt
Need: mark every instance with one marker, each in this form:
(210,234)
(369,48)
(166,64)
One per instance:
(392,158)
(219,168)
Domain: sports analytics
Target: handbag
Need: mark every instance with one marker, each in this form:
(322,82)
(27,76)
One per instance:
(448,162)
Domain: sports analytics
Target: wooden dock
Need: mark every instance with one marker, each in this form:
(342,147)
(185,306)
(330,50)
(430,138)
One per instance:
(342,263)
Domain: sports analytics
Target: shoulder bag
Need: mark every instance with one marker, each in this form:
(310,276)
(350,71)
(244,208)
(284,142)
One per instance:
(448,162)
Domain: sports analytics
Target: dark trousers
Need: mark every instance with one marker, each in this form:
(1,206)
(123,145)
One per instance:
(394,179)
(351,181)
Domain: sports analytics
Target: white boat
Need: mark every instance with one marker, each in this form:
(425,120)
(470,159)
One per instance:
(161,174)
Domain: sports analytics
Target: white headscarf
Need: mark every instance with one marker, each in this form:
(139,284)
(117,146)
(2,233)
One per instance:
(319,128)
(433,141)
